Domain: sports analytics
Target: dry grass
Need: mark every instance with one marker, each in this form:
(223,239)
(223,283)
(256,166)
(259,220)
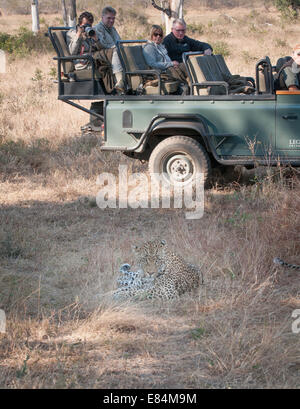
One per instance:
(59,254)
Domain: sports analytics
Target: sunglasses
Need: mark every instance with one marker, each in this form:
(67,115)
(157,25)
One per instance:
(157,34)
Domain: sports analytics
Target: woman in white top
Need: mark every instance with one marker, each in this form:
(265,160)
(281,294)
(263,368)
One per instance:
(156,56)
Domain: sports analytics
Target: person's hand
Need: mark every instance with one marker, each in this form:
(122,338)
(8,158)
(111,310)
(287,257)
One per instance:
(80,31)
(293,88)
(208,51)
(175,63)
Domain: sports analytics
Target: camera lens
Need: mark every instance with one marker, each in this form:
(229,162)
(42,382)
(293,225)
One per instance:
(90,31)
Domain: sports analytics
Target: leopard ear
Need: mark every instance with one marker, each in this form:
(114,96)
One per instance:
(134,247)
(163,242)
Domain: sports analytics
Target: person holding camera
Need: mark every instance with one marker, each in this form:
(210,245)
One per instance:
(83,40)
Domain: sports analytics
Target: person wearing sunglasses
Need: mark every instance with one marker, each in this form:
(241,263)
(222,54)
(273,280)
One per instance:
(178,43)
(289,74)
(157,57)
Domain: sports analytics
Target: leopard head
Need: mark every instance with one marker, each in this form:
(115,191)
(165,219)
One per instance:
(150,256)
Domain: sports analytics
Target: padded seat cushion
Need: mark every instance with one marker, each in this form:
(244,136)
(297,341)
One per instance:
(134,60)
(197,74)
(223,66)
(212,68)
(204,68)
(167,87)
(60,41)
(68,66)
(86,74)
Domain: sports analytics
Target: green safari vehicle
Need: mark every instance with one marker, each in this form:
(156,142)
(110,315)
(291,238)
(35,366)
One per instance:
(180,134)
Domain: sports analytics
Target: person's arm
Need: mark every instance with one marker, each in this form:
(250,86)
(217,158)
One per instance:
(100,34)
(151,59)
(97,45)
(74,41)
(171,47)
(291,79)
(196,45)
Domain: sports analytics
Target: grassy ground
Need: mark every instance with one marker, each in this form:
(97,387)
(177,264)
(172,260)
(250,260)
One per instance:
(60,254)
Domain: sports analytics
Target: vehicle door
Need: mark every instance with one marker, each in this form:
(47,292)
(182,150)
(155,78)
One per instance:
(288,123)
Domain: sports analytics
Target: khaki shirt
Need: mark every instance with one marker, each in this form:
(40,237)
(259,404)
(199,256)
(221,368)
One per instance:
(108,37)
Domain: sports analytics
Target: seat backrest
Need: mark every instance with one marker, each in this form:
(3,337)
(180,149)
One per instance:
(279,82)
(281,61)
(59,37)
(198,72)
(222,65)
(132,58)
(205,68)
(214,68)
(264,76)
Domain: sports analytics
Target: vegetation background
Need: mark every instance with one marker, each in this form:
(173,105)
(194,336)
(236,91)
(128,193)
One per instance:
(60,254)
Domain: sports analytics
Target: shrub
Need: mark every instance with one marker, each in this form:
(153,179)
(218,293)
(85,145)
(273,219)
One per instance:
(281,43)
(247,57)
(24,42)
(288,8)
(220,47)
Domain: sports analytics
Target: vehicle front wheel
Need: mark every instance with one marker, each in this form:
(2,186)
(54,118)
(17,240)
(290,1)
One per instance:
(179,159)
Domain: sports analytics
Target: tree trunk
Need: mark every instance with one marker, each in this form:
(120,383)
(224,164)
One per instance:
(64,12)
(2,62)
(35,16)
(72,13)
(171,10)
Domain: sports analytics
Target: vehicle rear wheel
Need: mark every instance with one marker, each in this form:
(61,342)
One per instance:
(179,159)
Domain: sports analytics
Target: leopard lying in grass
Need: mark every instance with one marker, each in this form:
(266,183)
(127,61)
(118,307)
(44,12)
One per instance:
(164,274)
(278,260)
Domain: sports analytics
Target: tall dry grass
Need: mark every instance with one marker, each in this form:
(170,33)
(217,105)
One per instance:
(60,254)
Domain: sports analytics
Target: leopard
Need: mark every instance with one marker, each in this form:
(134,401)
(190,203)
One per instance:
(171,275)
(130,281)
(279,261)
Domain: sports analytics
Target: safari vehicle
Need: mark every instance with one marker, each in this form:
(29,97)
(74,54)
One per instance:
(184,134)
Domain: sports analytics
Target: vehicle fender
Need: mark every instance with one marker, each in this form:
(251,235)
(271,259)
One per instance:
(192,127)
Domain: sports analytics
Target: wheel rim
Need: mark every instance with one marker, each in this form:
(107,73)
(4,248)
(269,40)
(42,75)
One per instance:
(178,168)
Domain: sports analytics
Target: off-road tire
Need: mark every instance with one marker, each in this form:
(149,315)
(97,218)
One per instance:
(188,153)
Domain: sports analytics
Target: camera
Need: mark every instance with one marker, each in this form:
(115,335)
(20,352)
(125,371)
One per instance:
(89,30)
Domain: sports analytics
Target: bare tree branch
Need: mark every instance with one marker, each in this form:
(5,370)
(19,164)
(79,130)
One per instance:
(167,11)
(73,12)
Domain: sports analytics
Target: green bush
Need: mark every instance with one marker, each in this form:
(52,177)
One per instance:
(24,42)
(221,47)
(288,8)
